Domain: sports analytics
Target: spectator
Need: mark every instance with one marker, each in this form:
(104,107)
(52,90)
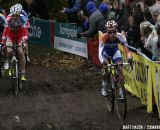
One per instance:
(106,2)
(30,6)
(155,7)
(131,33)
(95,24)
(2,11)
(84,20)
(147,15)
(107,12)
(138,17)
(73,7)
(157,27)
(84,3)
(84,13)
(104,9)
(155,14)
(158,19)
(150,38)
(125,13)
(94,17)
(42,9)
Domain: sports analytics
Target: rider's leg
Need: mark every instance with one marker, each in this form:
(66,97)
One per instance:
(7,55)
(120,79)
(103,59)
(8,51)
(117,58)
(104,81)
(22,62)
(26,48)
(22,57)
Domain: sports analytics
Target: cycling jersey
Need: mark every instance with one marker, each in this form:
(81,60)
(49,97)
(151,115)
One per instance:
(108,48)
(27,18)
(15,29)
(25,14)
(22,19)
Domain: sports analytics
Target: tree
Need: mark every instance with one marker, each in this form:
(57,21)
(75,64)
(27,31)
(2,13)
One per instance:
(53,7)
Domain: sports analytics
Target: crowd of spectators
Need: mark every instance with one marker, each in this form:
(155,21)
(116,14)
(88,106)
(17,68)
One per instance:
(139,20)
(36,8)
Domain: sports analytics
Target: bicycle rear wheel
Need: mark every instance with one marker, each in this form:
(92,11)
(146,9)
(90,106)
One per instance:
(14,77)
(110,94)
(121,101)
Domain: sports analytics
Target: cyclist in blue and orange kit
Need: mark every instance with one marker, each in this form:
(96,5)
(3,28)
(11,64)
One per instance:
(108,47)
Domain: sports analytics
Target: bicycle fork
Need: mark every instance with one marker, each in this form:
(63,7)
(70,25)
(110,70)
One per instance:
(16,67)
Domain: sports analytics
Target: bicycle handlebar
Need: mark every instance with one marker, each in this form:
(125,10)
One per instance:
(15,45)
(119,64)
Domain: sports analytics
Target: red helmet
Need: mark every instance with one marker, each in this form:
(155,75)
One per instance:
(111,25)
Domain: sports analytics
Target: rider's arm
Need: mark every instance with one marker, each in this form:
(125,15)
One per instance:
(5,29)
(25,34)
(103,39)
(25,27)
(123,41)
(23,19)
(4,34)
(25,14)
(128,54)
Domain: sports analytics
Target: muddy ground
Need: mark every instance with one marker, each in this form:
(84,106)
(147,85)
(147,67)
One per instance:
(62,94)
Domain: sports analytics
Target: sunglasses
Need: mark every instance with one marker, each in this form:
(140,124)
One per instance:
(112,32)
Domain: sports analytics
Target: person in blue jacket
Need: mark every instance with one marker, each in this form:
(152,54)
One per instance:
(73,7)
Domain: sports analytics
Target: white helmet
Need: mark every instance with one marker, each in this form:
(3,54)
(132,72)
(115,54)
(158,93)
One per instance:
(19,7)
(12,10)
(111,25)
(16,9)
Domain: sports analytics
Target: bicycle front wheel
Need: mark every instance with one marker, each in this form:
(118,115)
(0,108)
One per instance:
(110,94)
(14,77)
(1,65)
(121,101)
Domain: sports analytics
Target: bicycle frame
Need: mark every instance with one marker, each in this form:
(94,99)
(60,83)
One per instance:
(14,69)
(113,90)
(15,53)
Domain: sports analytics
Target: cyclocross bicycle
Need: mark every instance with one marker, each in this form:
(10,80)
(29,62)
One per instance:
(116,93)
(14,72)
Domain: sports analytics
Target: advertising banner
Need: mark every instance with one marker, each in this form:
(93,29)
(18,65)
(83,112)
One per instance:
(39,32)
(156,84)
(139,80)
(93,44)
(65,39)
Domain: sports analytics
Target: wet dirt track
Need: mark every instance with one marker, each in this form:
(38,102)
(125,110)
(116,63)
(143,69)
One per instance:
(63,97)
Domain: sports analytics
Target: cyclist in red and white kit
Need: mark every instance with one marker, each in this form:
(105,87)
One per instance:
(16,29)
